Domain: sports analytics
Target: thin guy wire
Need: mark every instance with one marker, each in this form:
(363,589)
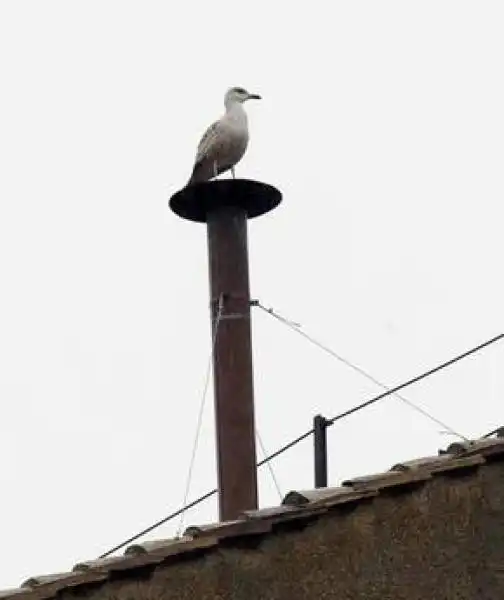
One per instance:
(297,328)
(303,436)
(200,412)
(270,466)
(418,378)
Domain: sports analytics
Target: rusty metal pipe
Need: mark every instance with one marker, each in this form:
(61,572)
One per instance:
(232,361)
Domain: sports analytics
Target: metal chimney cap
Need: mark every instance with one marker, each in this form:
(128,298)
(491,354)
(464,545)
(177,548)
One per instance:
(196,201)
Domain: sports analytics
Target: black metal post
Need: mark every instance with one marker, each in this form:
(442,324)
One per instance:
(320,450)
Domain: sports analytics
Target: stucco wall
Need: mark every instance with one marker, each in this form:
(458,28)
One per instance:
(441,540)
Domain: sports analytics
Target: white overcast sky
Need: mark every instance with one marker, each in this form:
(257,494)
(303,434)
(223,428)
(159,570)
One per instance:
(381,122)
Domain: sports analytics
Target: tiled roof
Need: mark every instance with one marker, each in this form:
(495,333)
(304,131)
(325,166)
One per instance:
(297,505)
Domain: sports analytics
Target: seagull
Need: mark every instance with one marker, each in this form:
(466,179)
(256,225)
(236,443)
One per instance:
(225,141)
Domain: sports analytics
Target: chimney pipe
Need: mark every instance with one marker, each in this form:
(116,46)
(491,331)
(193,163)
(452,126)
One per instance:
(225,205)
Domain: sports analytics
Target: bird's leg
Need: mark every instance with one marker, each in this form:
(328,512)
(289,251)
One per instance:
(215,168)
(233,172)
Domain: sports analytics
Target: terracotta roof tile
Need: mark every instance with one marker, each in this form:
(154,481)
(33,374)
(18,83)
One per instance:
(152,546)
(304,504)
(270,512)
(222,531)
(440,464)
(41,579)
(99,564)
(326,496)
(389,479)
(49,585)
(116,564)
(12,592)
(132,562)
(165,548)
(428,462)
(486,447)
(210,528)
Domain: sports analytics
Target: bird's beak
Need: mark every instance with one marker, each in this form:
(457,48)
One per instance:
(254,97)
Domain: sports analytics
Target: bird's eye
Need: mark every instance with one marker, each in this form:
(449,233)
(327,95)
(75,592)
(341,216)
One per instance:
(240,91)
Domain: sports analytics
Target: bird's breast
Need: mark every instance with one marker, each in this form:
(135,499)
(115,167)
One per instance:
(235,142)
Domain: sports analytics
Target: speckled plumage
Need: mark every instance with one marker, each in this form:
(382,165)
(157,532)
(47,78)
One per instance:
(224,143)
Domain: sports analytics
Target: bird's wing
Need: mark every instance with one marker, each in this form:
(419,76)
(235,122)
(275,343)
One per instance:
(209,138)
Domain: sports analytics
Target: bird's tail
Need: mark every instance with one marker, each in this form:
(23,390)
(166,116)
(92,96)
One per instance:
(197,175)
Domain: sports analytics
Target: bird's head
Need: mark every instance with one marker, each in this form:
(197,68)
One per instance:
(238,95)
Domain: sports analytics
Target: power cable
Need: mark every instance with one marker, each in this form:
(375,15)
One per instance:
(492,433)
(418,378)
(305,435)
